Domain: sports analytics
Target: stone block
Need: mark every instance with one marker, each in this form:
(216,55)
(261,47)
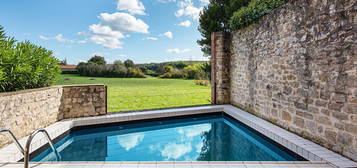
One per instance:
(352,128)
(299,122)
(286,116)
(331,136)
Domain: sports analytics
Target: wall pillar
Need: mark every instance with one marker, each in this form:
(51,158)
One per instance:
(220,61)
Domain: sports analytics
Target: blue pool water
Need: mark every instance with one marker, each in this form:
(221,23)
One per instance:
(205,138)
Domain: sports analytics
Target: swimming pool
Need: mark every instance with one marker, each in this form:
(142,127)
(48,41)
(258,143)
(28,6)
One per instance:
(211,137)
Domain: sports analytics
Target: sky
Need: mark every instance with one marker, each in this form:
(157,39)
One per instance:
(141,30)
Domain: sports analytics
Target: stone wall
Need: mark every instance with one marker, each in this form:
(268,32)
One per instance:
(220,62)
(297,67)
(78,101)
(27,110)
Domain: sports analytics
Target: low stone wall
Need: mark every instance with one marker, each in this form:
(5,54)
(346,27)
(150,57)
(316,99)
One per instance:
(297,67)
(27,110)
(80,101)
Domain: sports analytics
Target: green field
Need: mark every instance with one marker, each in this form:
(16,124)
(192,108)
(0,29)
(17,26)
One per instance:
(126,94)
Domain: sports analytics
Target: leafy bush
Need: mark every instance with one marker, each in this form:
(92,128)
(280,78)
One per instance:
(191,71)
(168,68)
(253,12)
(152,73)
(135,73)
(25,65)
(109,70)
(175,73)
(69,72)
(202,82)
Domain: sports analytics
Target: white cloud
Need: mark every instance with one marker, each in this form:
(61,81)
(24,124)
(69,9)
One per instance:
(177,51)
(199,147)
(169,35)
(123,22)
(186,23)
(151,38)
(112,28)
(107,42)
(129,141)
(44,37)
(98,29)
(166,1)
(132,6)
(205,1)
(62,39)
(81,33)
(175,151)
(194,130)
(105,36)
(188,9)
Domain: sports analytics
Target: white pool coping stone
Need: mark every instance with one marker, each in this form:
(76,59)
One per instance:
(312,152)
(171,165)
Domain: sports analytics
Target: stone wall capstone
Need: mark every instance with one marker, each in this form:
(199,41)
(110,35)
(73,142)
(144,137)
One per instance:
(25,111)
(297,67)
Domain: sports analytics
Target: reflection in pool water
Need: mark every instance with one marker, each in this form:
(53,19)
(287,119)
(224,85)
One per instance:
(206,138)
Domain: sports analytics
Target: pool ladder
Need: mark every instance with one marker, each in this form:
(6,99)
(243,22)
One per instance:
(26,152)
(13,139)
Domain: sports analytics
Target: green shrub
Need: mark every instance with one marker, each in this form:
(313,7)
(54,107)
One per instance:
(175,73)
(152,73)
(202,82)
(24,65)
(69,72)
(135,73)
(109,70)
(253,12)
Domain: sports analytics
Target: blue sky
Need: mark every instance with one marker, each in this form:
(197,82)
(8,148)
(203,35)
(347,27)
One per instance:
(141,30)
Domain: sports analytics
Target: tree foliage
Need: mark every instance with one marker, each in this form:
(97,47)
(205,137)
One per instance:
(24,65)
(253,12)
(129,63)
(215,17)
(96,59)
(116,70)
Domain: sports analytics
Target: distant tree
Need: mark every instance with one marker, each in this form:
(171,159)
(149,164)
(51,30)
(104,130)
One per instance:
(63,62)
(118,62)
(180,65)
(82,63)
(215,17)
(168,68)
(129,63)
(99,60)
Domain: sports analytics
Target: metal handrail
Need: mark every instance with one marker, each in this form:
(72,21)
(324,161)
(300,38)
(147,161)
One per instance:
(28,143)
(13,139)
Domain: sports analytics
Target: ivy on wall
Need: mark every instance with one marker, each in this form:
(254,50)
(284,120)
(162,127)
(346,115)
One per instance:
(253,12)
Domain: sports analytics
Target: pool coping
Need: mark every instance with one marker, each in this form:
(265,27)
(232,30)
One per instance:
(165,164)
(305,148)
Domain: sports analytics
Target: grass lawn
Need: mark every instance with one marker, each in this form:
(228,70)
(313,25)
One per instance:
(125,94)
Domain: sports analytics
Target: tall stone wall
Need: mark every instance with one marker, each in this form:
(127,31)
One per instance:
(27,110)
(220,62)
(297,67)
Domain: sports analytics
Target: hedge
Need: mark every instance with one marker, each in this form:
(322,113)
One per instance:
(24,65)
